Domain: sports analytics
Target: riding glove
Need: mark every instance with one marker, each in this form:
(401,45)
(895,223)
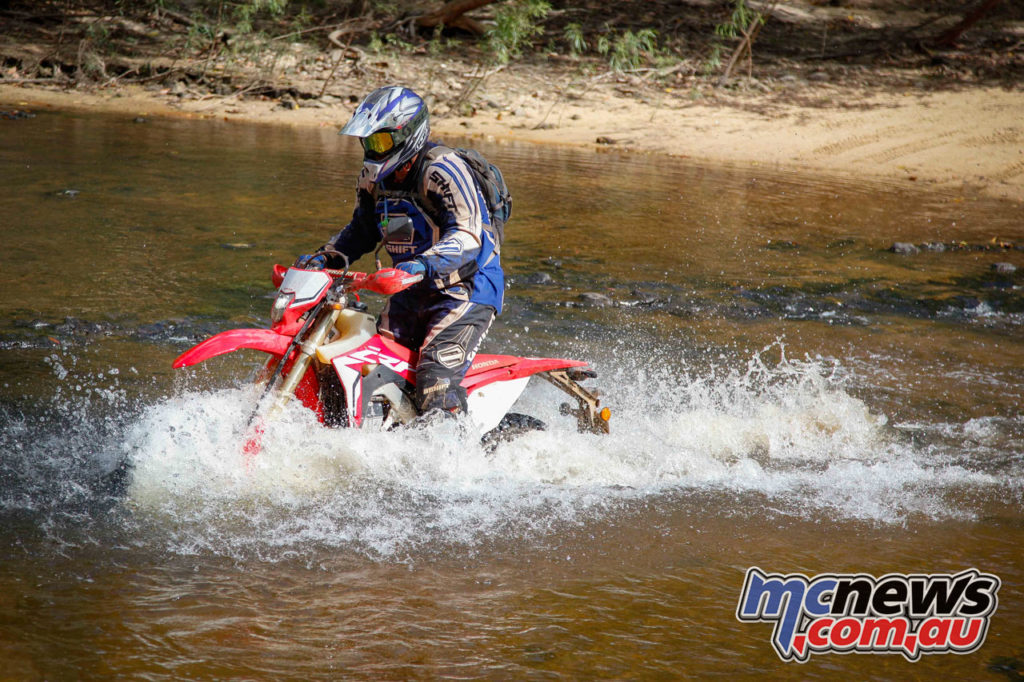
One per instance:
(311,261)
(413,267)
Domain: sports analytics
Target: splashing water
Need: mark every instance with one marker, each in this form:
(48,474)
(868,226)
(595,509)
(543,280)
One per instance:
(785,435)
(65,457)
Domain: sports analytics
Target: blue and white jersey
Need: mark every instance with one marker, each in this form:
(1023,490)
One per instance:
(452,235)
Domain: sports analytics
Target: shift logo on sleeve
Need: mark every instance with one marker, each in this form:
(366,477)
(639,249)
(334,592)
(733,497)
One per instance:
(895,614)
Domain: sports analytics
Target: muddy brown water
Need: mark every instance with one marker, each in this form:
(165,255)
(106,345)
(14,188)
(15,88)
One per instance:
(786,393)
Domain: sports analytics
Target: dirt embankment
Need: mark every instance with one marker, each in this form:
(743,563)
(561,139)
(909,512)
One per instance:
(920,124)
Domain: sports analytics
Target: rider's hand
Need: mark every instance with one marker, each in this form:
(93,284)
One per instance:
(311,261)
(412,267)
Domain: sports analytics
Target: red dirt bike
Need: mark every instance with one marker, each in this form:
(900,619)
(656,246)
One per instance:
(327,354)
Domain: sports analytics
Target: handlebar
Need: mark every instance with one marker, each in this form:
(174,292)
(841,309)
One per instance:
(387,281)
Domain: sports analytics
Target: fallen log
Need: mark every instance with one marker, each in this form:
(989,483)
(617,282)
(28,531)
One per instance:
(452,15)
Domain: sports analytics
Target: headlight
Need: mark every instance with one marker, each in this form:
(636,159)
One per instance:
(281,304)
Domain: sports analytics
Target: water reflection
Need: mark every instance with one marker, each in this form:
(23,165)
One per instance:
(787,392)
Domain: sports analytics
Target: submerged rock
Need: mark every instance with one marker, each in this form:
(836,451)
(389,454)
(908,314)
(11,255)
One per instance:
(904,248)
(642,297)
(541,278)
(35,323)
(594,299)
(781,245)
(16,114)
(76,326)
(1004,268)
(966,302)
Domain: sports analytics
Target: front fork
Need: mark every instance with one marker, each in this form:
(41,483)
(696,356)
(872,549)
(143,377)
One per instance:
(307,350)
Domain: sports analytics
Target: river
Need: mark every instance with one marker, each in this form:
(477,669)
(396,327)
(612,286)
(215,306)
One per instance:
(787,393)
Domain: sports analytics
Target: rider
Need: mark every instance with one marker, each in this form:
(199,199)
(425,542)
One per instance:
(447,315)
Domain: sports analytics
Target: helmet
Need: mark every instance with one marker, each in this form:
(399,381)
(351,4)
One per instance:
(392,124)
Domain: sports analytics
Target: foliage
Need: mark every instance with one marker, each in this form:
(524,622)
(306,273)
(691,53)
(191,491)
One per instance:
(246,11)
(387,43)
(438,44)
(385,7)
(229,38)
(574,36)
(515,24)
(740,22)
(98,34)
(629,49)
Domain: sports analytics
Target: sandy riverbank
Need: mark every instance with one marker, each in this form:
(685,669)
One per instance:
(969,141)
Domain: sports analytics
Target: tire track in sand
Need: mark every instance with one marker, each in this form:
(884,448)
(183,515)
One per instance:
(1011,171)
(915,146)
(854,141)
(996,137)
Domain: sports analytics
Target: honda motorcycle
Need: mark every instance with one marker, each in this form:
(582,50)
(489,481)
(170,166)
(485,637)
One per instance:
(328,355)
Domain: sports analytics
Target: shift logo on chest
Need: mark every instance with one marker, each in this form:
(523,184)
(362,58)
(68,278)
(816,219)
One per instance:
(895,614)
(398,246)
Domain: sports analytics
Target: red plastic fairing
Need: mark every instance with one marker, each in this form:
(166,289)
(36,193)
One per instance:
(399,351)
(382,351)
(278,275)
(388,281)
(308,393)
(488,363)
(507,367)
(258,339)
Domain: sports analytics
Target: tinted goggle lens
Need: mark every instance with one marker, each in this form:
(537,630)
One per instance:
(378,144)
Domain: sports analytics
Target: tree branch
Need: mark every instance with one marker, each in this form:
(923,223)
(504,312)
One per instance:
(970,19)
(451,15)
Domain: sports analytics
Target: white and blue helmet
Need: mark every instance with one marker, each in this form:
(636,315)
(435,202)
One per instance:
(392,124)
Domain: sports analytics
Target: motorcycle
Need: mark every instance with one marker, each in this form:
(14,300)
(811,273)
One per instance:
(327,354)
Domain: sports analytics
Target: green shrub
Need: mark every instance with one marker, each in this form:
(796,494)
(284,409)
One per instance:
(514,25)
(629,50)
(574,36)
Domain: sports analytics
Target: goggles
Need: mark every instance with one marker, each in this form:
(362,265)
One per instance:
(381,144)
(377,145)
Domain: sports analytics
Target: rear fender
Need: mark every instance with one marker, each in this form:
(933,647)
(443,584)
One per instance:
(234,339)
(488,369)
(501,379)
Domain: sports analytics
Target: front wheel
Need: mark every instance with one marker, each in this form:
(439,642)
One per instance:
(511,426)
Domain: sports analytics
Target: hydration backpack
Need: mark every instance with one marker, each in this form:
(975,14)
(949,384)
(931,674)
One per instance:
(492,185)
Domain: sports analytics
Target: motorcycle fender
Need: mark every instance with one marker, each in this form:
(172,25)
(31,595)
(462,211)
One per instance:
(488,404)
(265,340)
(491,369)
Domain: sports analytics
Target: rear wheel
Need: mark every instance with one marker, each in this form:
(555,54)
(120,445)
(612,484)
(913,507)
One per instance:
(511,426)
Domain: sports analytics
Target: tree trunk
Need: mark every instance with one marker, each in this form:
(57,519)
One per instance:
(451,14)
(970,19)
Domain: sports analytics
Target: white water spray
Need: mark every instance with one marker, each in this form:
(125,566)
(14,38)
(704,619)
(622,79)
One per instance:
(787,432)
